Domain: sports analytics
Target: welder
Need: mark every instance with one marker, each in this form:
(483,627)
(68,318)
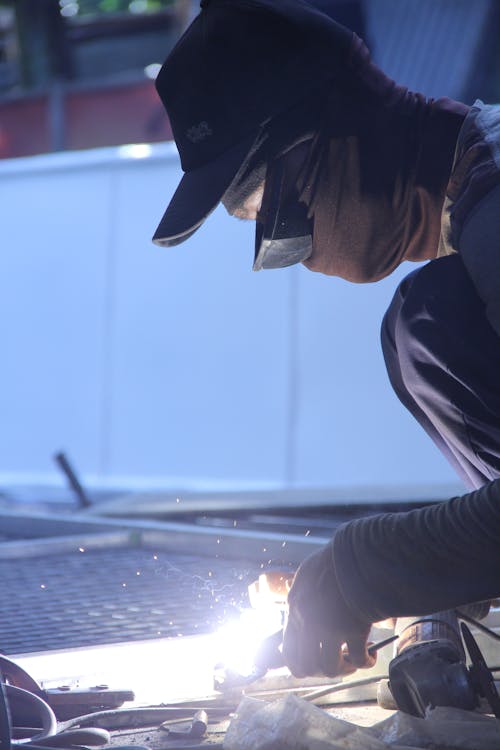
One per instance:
(279,114)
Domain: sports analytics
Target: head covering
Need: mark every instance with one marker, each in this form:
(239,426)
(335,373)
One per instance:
(239,65)
(380,167)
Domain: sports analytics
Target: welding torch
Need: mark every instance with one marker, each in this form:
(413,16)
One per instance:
(273,587)
(270,591)
(269,656)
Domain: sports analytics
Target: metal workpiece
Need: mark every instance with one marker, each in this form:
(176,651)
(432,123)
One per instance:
(76,580)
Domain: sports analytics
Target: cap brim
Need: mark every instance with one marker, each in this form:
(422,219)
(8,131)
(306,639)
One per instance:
(198,193)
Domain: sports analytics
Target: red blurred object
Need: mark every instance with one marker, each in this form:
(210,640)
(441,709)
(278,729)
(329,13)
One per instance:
(24,127)
(84,118)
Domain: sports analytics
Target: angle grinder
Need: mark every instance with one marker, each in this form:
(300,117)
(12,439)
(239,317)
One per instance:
(430,668)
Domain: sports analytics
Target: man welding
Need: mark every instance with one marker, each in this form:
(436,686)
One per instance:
(279,113)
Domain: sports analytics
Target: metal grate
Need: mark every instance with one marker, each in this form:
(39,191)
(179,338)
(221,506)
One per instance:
(104,596)
(55,594)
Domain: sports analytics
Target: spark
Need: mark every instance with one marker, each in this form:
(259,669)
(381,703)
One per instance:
(42,586)
(307,532)
(207,587)
(81,549)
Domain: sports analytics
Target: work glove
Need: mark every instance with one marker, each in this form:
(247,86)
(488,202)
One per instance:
(323,635)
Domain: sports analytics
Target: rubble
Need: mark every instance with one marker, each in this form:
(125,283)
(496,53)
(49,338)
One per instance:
(295,724)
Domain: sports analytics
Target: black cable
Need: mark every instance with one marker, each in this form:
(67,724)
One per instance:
(46,714)
(5,743)
(135,718)
(13,674)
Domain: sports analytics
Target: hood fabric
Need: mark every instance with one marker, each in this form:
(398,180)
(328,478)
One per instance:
(377,174)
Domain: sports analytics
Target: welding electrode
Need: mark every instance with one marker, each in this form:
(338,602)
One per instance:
(375,646)
(269,655)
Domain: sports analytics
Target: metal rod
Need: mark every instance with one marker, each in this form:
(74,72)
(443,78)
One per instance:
(83,499)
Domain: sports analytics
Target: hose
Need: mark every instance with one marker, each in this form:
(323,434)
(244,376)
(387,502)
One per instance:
(47,716)
(5,742)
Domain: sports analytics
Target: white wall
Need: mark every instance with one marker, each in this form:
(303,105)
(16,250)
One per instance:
(181,366)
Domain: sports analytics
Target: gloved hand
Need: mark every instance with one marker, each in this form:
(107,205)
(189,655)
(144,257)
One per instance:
(320,621)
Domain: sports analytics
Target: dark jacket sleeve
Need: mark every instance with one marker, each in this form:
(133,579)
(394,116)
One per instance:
(422,561)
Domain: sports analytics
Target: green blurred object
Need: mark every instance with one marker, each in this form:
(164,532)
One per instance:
(94,7)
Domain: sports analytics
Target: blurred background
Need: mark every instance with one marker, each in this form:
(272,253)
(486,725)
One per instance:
(79,73)
(180,368)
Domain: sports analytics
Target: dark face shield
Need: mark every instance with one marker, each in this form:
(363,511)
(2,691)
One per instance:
(283,231)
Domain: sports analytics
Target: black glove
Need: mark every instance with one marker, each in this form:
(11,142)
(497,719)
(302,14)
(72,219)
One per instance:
(320,623)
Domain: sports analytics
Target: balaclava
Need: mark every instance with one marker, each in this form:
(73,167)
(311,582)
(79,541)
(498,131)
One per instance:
(375,175)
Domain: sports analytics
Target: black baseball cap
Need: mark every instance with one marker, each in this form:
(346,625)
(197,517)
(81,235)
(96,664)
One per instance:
(239,64)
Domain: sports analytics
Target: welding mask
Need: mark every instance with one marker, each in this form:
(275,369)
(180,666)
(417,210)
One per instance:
(283,230)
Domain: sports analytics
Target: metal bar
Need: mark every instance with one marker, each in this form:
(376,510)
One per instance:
(177,503)
(22,548)
(177,537)
(83,499)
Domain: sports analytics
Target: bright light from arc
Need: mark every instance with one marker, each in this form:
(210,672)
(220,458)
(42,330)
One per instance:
(160,670)
(237,643)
